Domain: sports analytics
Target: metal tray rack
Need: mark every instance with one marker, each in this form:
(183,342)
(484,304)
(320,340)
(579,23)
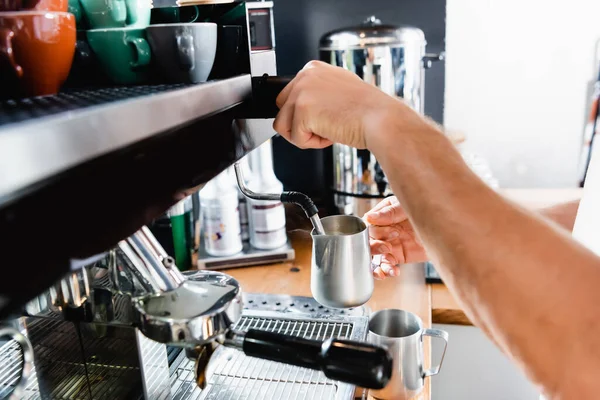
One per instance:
(232,375)
(43,136)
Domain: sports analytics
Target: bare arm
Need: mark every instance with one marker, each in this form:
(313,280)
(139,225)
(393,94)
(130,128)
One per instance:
(523,280)
(518,276)
(562,214)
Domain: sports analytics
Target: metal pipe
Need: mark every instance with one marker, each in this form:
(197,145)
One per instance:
(316,223)
(286,197)
(239,175)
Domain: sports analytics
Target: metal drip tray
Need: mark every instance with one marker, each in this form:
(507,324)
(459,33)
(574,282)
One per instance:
(231,374)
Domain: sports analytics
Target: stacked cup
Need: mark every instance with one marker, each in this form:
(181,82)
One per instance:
(117,36)
(184,49)
(38,42)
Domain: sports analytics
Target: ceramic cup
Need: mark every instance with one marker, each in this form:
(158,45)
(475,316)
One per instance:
(34,5)
(174,15)
(36,53)
(184,52)
(124,53)
(86,70)
(117,13)
(74,7)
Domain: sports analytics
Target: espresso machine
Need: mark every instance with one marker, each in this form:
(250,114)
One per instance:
(92,307)
(392,58)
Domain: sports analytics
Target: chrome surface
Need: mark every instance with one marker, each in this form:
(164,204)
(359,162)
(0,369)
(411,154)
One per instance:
(34,150)
(341,274)
(393,59)
(16,362)
(233,375)
(239,174)
(202,309)
(102,292)
(114,368)
(314,219)
(402,333)
(150,260)
(371,33)
(86,361)
(72,291)
(154,368)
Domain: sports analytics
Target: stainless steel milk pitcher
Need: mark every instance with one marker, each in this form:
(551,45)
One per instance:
(341,274)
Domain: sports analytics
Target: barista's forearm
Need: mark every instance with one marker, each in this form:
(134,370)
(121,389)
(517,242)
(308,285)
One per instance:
(517,276)
(562,214)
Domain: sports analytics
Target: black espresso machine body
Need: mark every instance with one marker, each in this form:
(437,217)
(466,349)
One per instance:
(84,169)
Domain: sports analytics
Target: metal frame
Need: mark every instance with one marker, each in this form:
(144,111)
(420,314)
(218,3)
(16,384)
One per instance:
(40,148)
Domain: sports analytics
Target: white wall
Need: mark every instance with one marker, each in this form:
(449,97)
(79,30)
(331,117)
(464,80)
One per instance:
(475,369)
(517,77)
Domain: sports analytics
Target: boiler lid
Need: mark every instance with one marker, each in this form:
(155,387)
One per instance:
(371,33)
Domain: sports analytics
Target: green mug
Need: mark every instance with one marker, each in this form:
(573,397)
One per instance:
(104,13)
(124,53)
(117,13)
(75,9)
(138,13)
(174,15)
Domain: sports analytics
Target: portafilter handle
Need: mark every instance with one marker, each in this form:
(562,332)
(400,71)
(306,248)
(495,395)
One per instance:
(265,90)
(361,364)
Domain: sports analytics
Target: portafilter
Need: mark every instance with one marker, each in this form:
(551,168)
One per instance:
(205,307)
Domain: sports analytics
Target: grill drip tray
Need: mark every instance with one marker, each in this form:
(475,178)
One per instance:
(234,376)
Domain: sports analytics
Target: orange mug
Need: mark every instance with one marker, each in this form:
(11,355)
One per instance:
(36,52)
(34,5)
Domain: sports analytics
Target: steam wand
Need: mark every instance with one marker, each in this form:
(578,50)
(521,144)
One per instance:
(297,198)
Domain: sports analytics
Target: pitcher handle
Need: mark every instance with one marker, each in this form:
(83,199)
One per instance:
(440,334)
(27,351)
(7,52)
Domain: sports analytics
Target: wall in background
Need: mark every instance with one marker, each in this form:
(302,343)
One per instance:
(474,368)
(299,24)
(517,78)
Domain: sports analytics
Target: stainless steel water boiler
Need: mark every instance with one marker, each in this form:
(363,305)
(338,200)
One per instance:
(392,58)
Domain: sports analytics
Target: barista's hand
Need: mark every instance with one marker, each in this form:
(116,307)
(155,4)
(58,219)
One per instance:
(392,235)
(326,104)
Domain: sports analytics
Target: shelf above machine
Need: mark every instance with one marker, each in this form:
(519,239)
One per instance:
(45,136)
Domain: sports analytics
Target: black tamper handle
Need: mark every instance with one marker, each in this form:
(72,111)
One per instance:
(361,364)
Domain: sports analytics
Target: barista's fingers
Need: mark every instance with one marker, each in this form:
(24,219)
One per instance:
(283,96)
(389,265)
(379,246)
(378,273)
(289,88)
(383,203)
(284,120)
(389,232)
(301,135)
(389,270)
(389,214)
